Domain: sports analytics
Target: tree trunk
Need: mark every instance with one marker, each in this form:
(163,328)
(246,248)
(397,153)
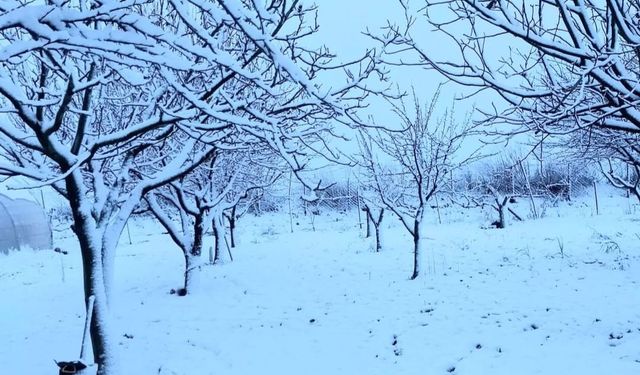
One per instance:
(198,235)
(91,250)
(368,234)
(416,254)
(216,238)
(502,217)
(221,251)
(378,241)
(188,264)
(232,226)
(376,225)
(417,245)
(192,254)
(191,263)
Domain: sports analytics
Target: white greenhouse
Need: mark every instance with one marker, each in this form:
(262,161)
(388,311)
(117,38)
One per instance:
(23,223)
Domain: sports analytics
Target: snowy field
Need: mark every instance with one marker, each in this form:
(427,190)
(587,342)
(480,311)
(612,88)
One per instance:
(559,295)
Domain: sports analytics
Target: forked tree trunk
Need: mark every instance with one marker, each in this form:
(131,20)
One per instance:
(92,251)
(501,206)
(376,221)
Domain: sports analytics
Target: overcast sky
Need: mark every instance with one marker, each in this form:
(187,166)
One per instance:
(342,23)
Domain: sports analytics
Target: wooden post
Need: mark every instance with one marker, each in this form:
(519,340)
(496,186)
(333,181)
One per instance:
(44,207)
(528,185)
(304,201)
(290,213)
(541,159)
(358,204)
(628,192)
(595,194)
(569,182)
(228,248)
(438,209)
(128,232)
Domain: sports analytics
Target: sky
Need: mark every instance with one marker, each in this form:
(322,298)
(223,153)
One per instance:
(342,23)
(341,28)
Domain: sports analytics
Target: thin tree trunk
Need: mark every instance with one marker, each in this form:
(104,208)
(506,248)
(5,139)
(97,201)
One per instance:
(232,226)
(416,249)
(376,225)
(418,238)
(188,267)
(368,216)
(217,240)
(378,242)
(416,254)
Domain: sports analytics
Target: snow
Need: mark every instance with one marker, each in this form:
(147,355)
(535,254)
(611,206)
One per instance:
(547,296)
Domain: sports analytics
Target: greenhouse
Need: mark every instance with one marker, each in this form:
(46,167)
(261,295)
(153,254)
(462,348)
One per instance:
(23,224)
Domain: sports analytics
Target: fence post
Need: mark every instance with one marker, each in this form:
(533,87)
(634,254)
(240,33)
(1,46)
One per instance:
(438,209)
(628,192)
(358,207)
(128,232)
(595,194)
(569,183)
(290,213)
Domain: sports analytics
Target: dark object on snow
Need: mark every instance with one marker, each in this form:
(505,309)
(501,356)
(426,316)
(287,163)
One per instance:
(180,292)
(71,367)
(59,250)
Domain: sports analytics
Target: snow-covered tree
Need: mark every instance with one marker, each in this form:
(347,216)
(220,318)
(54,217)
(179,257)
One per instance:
(197,202)
(408,167)
(374,215)
(569,65)
(108,100)
(245,202)
(617,154)
(372,189)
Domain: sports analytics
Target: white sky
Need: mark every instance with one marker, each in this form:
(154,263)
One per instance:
(342,23)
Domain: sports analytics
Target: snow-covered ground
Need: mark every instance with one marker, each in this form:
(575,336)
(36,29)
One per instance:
(558,295)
